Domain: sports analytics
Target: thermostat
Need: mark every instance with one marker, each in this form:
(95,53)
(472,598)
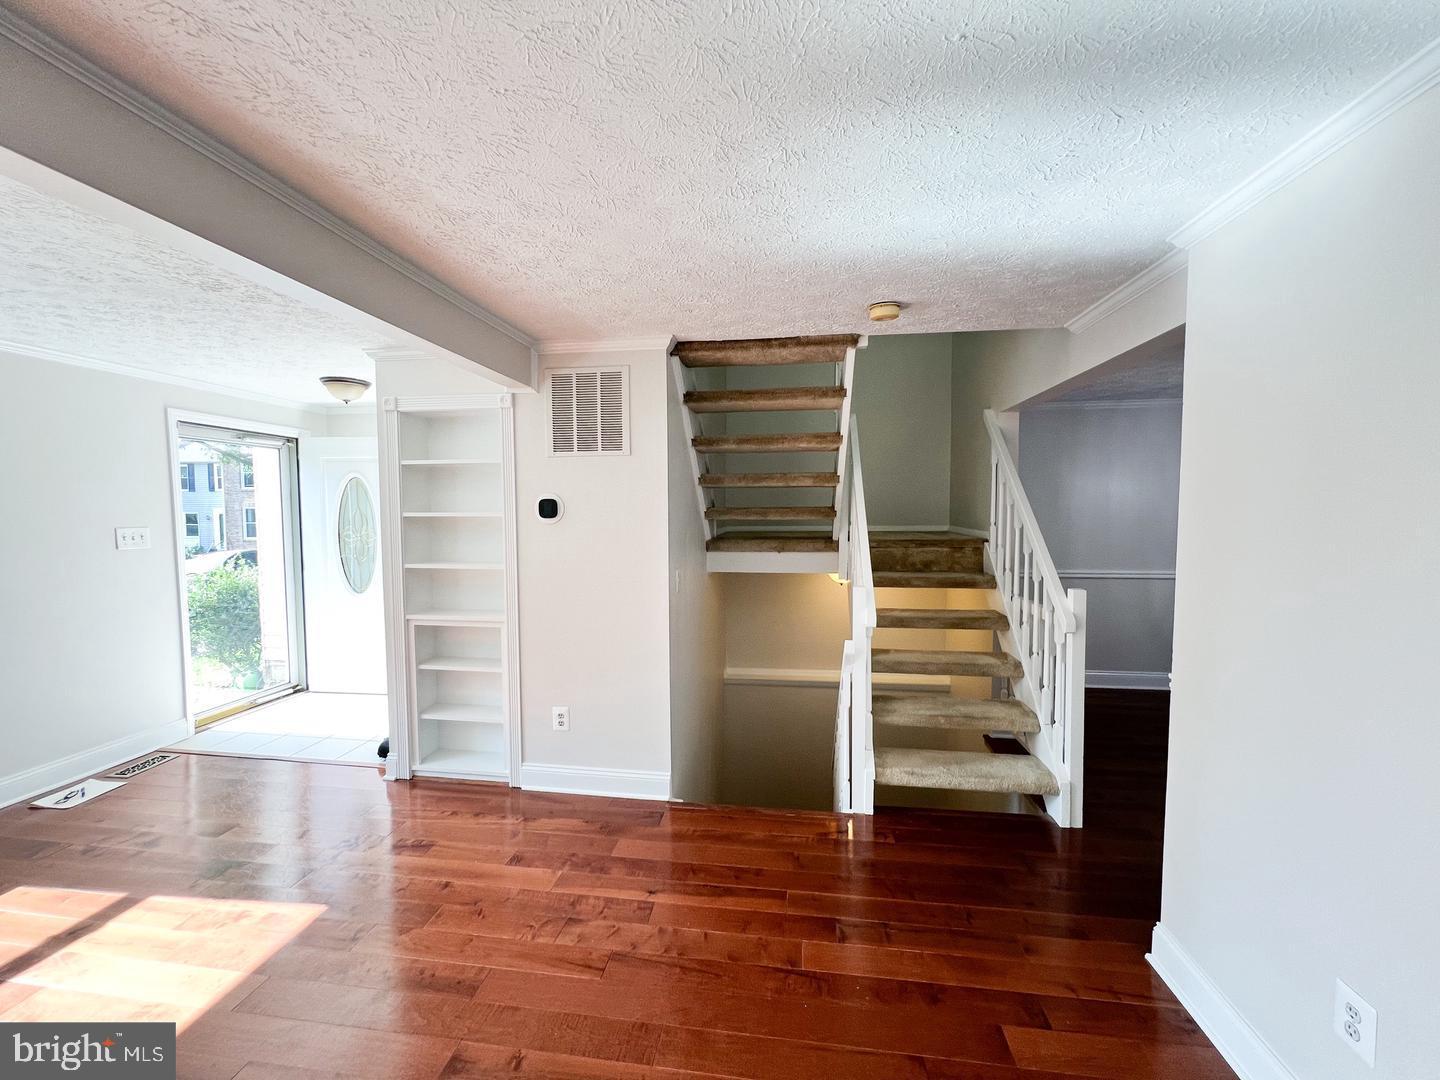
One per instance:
(549,508)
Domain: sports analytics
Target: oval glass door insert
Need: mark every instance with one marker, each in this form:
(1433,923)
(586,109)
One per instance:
(356,535)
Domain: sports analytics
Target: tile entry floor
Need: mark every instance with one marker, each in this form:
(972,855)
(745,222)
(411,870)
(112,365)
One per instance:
(341,728)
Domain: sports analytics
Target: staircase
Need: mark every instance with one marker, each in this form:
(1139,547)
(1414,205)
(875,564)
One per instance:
(944,562)
(767,420)
(958,607)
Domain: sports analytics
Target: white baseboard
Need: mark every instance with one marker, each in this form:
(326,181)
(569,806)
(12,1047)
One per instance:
(981,534)
(1128,680)
(576,780)
(17,787)
(1239,1044)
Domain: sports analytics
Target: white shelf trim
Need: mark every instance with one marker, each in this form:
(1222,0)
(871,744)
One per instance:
(463,713)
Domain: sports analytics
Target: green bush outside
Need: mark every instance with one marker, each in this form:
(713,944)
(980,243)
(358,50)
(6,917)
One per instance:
(225,619)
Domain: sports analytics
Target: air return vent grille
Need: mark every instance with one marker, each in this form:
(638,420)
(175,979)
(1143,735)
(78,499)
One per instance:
(589,411)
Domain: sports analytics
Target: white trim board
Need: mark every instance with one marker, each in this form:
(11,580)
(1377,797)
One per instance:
(1396,90)
(1127,680)
(772,562)
(60,56)
(1118,575)
(580,780)
(1161,270)
(1402,86)
(559,348)
(1239,1044)
(18,787)
(828,679)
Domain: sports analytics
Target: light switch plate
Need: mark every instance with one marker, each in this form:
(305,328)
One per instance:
(131,537)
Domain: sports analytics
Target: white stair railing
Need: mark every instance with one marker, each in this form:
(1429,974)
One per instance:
(854,723)
(1047,629)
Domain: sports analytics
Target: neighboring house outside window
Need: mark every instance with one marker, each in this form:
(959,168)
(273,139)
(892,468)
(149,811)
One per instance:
(217,476)
(247,476)
(250,530)
(192,526)
(187,476)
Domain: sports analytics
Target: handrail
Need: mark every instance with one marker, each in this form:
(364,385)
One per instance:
(1046,629)
(854,735)
(1010,478)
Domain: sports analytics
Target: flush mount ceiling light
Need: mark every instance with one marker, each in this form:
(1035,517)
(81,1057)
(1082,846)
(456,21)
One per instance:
(345,388)
(884,310)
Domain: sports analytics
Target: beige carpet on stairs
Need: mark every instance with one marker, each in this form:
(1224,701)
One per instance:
(963,770)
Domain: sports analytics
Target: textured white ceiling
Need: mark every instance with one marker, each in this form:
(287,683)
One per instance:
(74,283)
(618,168)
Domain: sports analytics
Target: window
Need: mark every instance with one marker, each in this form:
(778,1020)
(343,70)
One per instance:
(250,523)
(217,476)
(187,476)
(192,524)
(247,475)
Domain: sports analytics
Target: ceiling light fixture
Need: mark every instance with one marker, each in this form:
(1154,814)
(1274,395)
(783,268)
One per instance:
(884,310)
(345,388)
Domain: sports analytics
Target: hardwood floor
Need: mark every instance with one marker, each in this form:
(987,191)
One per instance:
(310,921)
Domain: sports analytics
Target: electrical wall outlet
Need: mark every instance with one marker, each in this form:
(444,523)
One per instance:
(1355,1021)
(128,538)
(560,718)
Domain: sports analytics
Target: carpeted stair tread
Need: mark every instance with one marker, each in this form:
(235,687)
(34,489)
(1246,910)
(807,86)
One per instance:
(898,708)
(773,542)
(812,443)
(797,398)
(908,579)
(963,770)
(770,480)
(749,352)
(942,619)
(770,513)
(996,665)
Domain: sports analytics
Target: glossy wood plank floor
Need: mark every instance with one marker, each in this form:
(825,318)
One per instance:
(311,921)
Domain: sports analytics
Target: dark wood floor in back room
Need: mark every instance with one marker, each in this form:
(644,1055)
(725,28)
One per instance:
(310,921)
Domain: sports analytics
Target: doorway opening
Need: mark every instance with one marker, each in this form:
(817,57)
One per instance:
(283,605)
(237,529)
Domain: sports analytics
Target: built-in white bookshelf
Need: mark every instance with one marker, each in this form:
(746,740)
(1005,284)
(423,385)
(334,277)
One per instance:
(455,562)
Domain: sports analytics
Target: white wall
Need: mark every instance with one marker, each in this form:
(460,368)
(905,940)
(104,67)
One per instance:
(1300,838)
(697,630)
(1104,481)
(1001,370)
(902,399)
(90,647)
(594,590)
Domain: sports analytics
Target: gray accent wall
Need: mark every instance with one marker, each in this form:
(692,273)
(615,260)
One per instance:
(1104,481)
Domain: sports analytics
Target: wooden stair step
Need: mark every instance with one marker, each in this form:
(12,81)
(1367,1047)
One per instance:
(819,442)
(780,399)
(897,708)
(770,513)
(963,770)
(908,579)
(773,542)
(997,665)
(942,619)
(925,539)
(927,553)
(770,480)
(749,352)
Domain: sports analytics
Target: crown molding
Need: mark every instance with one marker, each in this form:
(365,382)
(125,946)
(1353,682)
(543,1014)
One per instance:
(650,344)
(1399,88)
(1162,269)
(59,356)
(59,55)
